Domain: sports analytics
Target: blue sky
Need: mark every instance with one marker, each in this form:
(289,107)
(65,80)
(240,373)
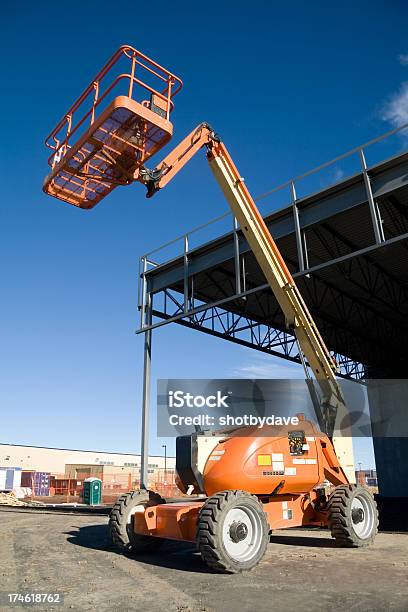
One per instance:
(287,87)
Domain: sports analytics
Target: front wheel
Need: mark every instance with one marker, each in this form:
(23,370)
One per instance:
(121,522)
(233,532)
(352,516)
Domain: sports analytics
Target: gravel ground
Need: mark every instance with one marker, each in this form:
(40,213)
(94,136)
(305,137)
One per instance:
(302,570)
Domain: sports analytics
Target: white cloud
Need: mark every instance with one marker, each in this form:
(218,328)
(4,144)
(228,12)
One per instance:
(403,59)
(338,174)
(265,366)
(395,111)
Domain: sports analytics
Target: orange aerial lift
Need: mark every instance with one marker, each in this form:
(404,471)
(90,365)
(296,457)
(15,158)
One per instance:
(244,485)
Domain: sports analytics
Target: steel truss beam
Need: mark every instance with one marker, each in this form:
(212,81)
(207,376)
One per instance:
(242,330)
(384,291)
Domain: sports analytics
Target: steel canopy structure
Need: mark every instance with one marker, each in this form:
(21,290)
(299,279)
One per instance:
(347,248)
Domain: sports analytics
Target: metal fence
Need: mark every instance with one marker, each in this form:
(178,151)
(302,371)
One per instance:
(65,489)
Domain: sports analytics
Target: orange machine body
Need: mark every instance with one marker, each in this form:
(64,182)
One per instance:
(259,465)
(289,474)
(178,520)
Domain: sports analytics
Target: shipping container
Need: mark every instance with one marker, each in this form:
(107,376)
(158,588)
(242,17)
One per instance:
(41,483)
(10,478)
(27,478)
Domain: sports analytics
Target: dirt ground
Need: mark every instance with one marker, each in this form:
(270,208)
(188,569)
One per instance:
(302,570)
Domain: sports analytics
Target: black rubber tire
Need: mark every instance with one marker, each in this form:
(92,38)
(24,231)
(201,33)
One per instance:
(121,522)
(340,519)
(210,527)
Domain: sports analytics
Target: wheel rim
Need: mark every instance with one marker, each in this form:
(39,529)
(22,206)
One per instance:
(362,517)
(242,533)
(140,508)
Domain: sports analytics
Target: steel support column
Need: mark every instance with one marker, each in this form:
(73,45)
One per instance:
(301,262)
(185,263)
(146,393)
(237,262)
(374,211)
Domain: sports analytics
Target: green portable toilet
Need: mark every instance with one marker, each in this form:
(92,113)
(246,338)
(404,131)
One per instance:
(92,492)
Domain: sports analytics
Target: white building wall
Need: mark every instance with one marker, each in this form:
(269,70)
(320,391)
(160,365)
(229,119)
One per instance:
(53,460)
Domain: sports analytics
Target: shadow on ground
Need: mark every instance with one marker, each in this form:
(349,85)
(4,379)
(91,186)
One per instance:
(180,556)
(304,541)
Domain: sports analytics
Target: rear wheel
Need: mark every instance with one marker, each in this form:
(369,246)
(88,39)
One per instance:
(233,532)
(353,516)
(121,522)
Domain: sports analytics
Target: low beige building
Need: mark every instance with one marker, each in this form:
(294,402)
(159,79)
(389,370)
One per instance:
(54,460)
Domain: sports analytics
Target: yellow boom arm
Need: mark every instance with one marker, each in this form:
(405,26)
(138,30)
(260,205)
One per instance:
(298,318)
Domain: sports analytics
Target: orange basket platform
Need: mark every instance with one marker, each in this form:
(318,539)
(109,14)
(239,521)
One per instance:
(119,121)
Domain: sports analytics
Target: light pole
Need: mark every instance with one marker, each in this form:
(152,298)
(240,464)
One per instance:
(165,462)
(360,476)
